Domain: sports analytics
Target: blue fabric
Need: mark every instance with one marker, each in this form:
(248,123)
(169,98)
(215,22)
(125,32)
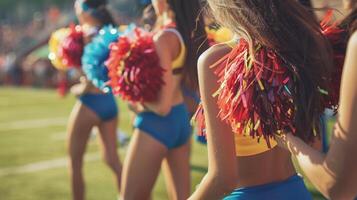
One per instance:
(83,5)
(145,2)
(172,130)
(290,189)
(324,133)
(104,105)
(188,93)
(201,139)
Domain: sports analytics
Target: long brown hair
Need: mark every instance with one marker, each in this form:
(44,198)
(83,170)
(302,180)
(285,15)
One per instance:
(191,26)
(292,31)
(349,23)
(100,11)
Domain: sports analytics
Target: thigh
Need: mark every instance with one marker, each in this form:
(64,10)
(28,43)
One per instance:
(141,166)
(108,137)
(176,167)
(81,122)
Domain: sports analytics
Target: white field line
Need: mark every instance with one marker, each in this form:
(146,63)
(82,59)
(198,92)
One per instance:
(32,123)
(44,165)
(59,136)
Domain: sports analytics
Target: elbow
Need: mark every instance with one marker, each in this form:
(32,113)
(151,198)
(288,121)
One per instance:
(229,187)
(229,184)
(341,193)
(339,196)
(225,182)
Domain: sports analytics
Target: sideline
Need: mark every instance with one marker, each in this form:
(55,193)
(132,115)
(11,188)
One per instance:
(32,123)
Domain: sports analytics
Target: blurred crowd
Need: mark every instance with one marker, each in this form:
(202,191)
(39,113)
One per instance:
(23,42)
(19,64)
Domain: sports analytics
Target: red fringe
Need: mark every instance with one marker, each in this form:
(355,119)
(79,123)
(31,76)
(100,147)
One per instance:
(255,96)
(72,47)
(257,99)
(134,68)
(199,120)
(337,37)
(62,87)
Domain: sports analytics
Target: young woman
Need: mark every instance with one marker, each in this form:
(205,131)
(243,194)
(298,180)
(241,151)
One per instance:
(162,130)
(334,174)
(290,54)
(93,108)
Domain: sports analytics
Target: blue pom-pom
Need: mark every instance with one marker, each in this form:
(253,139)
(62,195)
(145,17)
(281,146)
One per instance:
(97,52)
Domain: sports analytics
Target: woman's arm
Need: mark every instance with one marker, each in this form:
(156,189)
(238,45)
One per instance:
(221,177)
(335,174)
(165,43)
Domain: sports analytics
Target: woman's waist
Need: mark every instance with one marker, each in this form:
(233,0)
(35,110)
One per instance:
(269,167)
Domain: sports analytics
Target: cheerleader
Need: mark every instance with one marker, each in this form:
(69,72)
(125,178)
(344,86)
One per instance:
(334,174)
(265,83)
(93,108)
(162,127)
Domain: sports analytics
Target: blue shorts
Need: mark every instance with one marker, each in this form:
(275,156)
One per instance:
(172,130)
(103,105)
(291,189)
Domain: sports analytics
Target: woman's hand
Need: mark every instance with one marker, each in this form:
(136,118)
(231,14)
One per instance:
(283,140)
(136,107)
(81,87)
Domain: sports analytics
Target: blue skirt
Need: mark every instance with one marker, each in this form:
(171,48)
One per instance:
(291,189)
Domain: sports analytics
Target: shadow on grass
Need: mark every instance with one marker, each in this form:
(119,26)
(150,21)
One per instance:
(199,169)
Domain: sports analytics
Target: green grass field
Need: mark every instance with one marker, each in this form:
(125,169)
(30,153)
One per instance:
(33,151)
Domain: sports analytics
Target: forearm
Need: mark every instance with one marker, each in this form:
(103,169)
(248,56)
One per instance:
(312,163)
(162,106)
(211,188)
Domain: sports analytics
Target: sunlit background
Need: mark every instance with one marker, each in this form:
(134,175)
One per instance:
(33,117)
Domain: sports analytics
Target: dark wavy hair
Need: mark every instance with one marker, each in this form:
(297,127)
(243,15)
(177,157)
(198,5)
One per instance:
(100,11)
(191,26)
(289,28)
(349,23)
(306,3)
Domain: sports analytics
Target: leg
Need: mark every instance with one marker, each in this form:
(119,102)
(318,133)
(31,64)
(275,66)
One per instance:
(141,166)
(108,140)
(80,124)
(176,167)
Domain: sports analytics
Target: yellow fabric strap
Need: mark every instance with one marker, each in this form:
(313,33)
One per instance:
(248,146)
(180,60)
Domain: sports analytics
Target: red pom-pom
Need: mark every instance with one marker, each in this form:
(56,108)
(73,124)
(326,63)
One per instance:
(134,68)
(199,120)
(72,47)
(256,94)
(62,87)
(337,38)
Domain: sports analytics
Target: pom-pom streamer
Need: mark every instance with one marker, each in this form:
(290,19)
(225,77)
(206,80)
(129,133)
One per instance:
(97,52)
(66,47)
(256,94)
(134,67)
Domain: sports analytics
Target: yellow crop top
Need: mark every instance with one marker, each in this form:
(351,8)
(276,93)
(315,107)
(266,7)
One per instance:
(180,60)
(246,145)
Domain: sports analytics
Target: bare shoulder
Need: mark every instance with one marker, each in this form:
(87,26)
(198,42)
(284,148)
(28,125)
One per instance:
(166,38)
(351,55)
(352,43)
(212,56)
